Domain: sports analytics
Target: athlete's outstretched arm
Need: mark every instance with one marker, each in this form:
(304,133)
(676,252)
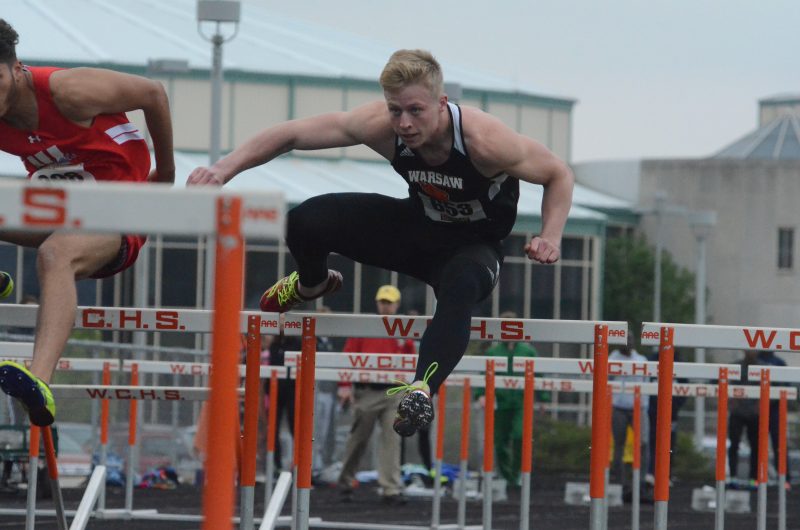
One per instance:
(83,93)
(367,124)
(500,149)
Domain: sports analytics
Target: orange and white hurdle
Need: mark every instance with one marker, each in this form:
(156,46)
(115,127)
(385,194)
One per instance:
(738,338)
(164,210)
(343,369)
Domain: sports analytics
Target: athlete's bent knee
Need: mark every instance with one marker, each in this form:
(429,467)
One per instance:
(52,256)
(465,281)
(308,220)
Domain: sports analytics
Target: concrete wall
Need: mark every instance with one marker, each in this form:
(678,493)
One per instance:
(752,200)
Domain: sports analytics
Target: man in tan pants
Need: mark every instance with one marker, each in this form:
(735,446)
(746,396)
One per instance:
(371,405)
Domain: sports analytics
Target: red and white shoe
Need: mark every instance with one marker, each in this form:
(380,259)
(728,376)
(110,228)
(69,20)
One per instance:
(284,295)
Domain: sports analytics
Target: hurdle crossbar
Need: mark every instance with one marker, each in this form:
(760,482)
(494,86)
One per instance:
(505,382)
(44,206)
(725,337)
(331,325)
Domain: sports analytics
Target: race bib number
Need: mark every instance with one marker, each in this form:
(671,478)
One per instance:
(452,212)
(74,173)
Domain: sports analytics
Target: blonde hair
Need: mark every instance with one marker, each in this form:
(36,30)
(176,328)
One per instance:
(408,67)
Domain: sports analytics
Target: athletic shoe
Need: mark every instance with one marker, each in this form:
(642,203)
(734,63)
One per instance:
(415,410)
(284,295)
(32,392)
(6,284)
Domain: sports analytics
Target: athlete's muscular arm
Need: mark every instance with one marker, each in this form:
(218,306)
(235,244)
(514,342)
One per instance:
(83,93)
(367,124)
(496,148)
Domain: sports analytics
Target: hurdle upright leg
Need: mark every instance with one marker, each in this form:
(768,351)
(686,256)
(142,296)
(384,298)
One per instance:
(132,453)
(527,447)
(599,427)
(104,412)
(782,462)
(763,450)
(464,454)
(272,425)
(666,359)
(637,458)
(218,496)
(298,382)
(488,446)
(248,465)
(306,424)
(607,459)
(437,478)
(52,470)
(33,476)
(722,434)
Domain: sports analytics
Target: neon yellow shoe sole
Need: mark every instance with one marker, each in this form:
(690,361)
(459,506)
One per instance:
(6,284)
(32,392)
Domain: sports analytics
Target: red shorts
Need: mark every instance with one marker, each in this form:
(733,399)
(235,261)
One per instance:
(128,252)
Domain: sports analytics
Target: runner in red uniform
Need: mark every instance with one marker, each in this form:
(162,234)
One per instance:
(70,125)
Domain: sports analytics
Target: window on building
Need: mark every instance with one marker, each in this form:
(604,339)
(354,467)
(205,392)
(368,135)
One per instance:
(785,248)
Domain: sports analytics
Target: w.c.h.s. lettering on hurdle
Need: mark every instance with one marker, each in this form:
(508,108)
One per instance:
(481,328)
(383,362)
(143,394)
(727,337)
(760,339)
(134,319)
(46,207)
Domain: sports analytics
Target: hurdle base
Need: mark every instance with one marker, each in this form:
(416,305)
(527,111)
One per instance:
(705,500)
(577,493)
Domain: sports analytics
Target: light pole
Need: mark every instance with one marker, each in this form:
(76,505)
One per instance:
(702,222)
(218,12)
(660,199)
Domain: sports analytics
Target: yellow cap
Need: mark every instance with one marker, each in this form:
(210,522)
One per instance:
(388,293)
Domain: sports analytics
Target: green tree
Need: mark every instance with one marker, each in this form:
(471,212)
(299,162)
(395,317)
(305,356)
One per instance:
(629,280)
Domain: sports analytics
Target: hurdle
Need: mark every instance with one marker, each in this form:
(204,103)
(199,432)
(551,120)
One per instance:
(578,366)
(384,367)
(669,336)
(487,329)
(151,209)
(365,367)
(777,374)
(135,393)
(190,321)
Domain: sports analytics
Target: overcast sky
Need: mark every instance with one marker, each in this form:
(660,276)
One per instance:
(652,79)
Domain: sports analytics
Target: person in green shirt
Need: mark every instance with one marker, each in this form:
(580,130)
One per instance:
(508,412)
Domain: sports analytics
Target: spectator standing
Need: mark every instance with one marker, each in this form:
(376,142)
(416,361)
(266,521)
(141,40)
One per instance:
(371,405)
